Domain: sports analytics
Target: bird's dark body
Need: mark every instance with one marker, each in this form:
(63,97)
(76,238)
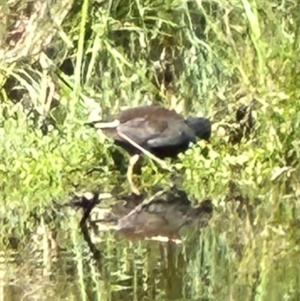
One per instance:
(161,131)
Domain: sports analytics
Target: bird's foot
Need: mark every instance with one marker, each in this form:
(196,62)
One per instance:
(165,166)
(134,190)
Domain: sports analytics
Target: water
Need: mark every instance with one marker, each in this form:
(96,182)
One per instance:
(235,257)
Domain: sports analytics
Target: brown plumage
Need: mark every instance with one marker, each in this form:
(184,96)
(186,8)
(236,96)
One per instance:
(154,131)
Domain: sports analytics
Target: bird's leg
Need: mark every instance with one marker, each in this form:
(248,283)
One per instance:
(162,163)
(132,161)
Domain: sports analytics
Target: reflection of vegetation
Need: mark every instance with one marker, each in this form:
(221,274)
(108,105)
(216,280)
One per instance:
(196,57)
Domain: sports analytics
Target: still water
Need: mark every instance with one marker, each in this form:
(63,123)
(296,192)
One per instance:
(235,257)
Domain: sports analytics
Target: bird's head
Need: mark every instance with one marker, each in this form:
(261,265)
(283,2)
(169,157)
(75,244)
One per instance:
(201,126)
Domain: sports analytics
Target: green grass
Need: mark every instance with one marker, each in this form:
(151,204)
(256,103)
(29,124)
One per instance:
(222,54)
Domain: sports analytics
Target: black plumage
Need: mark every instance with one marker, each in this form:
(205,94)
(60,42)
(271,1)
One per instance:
(153,130)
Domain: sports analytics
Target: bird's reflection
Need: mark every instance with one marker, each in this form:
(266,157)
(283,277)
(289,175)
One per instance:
(162,214)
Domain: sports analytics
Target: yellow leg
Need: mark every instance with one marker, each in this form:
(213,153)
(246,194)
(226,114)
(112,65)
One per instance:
(133,160)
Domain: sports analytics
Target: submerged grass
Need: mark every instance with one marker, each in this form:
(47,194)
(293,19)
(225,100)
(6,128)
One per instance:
(197,57)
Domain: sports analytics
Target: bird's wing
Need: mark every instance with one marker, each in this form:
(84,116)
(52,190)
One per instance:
(139,130)
(177,134)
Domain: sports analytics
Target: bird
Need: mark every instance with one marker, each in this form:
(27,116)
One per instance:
(154,131)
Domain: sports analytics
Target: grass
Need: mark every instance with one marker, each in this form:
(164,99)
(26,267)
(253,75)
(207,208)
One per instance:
(219,55)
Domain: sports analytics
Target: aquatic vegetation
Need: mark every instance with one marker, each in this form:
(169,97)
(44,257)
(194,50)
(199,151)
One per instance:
(65,61)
